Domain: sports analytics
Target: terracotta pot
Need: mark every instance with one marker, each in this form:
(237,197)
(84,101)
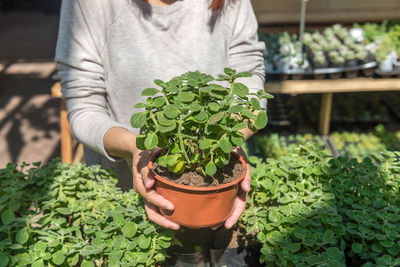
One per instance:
(198,207)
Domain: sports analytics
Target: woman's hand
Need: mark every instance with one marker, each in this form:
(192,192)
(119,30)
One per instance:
(143,183)
(240,201)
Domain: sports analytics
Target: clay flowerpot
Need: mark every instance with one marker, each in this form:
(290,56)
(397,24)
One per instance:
(198,207)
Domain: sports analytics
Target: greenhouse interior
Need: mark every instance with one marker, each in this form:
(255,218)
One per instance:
(267,135)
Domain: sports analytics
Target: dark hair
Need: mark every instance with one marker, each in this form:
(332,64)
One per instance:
(216,4)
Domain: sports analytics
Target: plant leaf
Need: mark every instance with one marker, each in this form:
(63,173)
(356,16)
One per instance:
(138,120)
(58,258)
(22,236)
(261,120)
(211,169)
(140,142)
(216,118)
(235,109)
(165,129)
(150,92)
(151,141)
(170,111)
(255,103)
(7,216)
(240,89)
(129,229)
(205,144)
(225,145)
(186,97)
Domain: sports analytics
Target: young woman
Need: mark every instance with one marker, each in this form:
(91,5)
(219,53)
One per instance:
(108,51)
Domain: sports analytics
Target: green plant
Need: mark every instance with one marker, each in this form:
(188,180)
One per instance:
(293,211)
(313,210)
(197,121)
(61,215)
(385,48)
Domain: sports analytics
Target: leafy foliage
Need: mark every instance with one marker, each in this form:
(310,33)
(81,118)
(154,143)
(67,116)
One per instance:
(312,210)
(68,215)
(198,121)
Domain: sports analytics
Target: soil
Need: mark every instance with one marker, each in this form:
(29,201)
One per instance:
(229,173)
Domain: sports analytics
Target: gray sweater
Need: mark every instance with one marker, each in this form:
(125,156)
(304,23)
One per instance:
(109,50)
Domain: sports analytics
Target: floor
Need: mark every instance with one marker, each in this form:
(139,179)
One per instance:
(29,119)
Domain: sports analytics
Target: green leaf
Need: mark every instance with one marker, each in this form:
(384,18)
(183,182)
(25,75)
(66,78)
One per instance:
(194,107)
(150,92)
(205,144)
(159,83)
(86,263)
(261,120)
(239,127)
(38,263)
(22,236)
(237,140)
(229,71)
(213,106)
(165,129)
(14,205)
(58,258)
(178,167)
(200,117)
(140,105)
(129,229)
(186,97)
(255,103)
(140,142)
(163,120)
(240,89)
(211,169)
(151,141)
(357,248)
(75,259)
(158,102)
(387,243)
(225,145)
(235,109)
(162,161)
(64,211)
(7,216)
(138,120)
(3,260)
(216,118)
(172,160)
(144,242)
(244,74)
(170,111)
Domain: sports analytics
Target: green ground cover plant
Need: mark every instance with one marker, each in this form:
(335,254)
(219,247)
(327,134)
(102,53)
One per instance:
(198,120)
(62,215)
(314,210)
(275,145)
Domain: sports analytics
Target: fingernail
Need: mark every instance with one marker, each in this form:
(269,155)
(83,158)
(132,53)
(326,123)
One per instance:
(170,207)
(247,185)
(228,226)
(147,182)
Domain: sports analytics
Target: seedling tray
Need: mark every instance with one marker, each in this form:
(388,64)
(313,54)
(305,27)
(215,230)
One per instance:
(319,73)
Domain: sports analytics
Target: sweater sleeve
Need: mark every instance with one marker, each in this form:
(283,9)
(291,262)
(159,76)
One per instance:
(245,51)
(82,78)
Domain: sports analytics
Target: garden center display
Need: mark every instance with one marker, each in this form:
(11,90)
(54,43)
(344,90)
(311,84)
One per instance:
(196,123)
(336,51)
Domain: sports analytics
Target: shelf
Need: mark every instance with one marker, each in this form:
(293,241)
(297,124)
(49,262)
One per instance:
(333,86)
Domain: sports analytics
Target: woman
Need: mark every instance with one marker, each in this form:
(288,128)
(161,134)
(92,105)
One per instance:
(108,51)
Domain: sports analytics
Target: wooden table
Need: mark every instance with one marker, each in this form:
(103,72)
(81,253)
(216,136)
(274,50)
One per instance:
(327,88)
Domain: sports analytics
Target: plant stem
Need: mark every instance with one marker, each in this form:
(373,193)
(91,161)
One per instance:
(181,141)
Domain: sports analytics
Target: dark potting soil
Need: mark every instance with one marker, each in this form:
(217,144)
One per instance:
(230,172)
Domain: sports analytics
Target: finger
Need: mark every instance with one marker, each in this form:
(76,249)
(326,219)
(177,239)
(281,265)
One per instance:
(147,178)
(238,208)
(152,196)
(155,216)
(245,184)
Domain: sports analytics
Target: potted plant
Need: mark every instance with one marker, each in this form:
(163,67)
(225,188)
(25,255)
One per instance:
(196,123)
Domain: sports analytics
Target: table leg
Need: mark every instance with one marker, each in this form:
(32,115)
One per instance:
(66,138)
(325,113)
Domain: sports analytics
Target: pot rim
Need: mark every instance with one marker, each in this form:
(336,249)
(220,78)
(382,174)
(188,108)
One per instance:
(198,188)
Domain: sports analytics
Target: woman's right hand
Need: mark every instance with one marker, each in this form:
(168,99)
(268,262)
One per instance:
(143,182)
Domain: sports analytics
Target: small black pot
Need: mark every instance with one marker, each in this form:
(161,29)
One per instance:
(351,63)
(236,257)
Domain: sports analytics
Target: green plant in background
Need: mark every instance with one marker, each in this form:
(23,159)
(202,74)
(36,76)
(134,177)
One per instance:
(61,215)
(313,210)
(294,213)
(385,48)
(197,121)
(394,35)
